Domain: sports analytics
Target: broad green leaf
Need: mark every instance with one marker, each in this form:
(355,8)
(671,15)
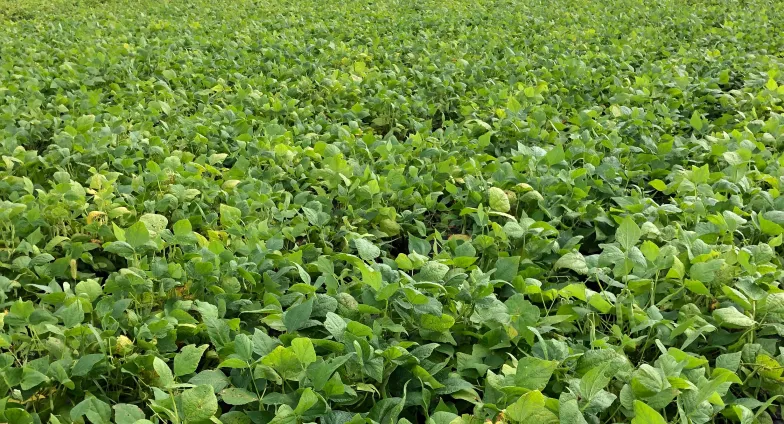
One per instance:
(644,414)
(306,401)
(574,261)
(658,185)
(367,250)
(628,233)
(437,323)
(215,378)
(86,363)
(595,380)
(697,287)
(336,325)
(569,411)
(530,408)
(507,268)
(296,316)
(229,215)
(125,413)
(706,271)
(182,228)
(498,200)
(648,381)
(284,361)
(243,347)
(165,376)
(730,361)
(555,155)
(155,223)
(90,289)
(32,378)
(94,409)
(696,121)
(284,415)
(137,235)
(237,396)
(188,359)
(730,317)
(534,373)
(303,349)
(433,271)
(198,403)
(600,303)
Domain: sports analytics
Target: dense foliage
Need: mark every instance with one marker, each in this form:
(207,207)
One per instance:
(391,211)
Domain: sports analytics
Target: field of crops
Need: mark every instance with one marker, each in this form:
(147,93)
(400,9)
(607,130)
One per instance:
(399,211)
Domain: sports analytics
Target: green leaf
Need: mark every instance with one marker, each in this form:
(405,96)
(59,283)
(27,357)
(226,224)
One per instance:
(22,309)
(321,370)
(569,411)
(182,228)
(165,377)
(371,277)
(433,271)
(658,185)
(32,378)
(600,303)
(85,122)
(574,261)
(229,215)
(284,415)
(706,271)
(86,363)
(745,415)
(155,223)
(96,410)
(18,416)
(296,316)
(697,287)
(90,289)
(336,325)
(534,373)
(236,396)
(188,359)
(628,233)
(644,414)
(306,401)
(530,408)
(215,378)
(198,403)
(647,381)
(730,361)
(284,361)
(498,200)
(506,268)
(235,417)
(243,347)
(555,155)
(595,380)
(137,235)
(437,323)
(359,329)
(386,410)
(234,363)
(696,121)
(127,414)
(513,105)
(119,248)
(367,250)
(730,317)
(72,315)
(303,349)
